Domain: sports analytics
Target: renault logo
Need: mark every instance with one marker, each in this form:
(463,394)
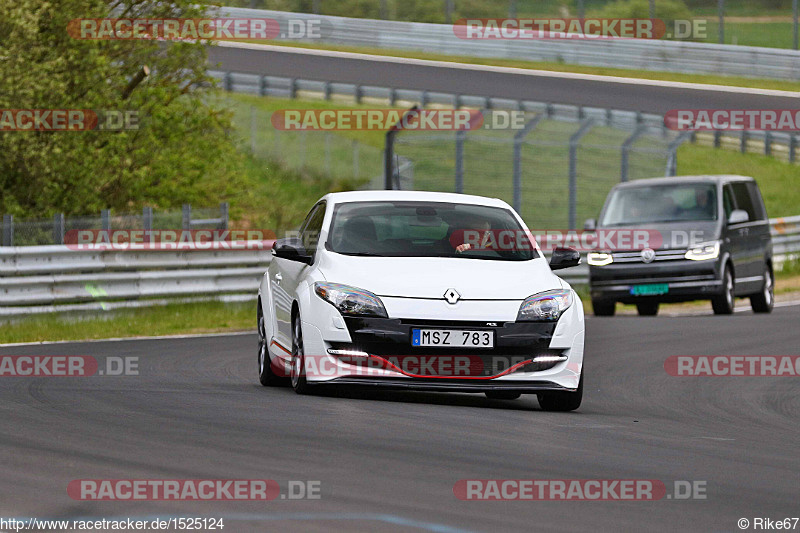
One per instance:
(648,255)
(452,296)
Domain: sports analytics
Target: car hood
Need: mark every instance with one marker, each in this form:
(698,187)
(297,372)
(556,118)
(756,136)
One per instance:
(423,277)
(674,235)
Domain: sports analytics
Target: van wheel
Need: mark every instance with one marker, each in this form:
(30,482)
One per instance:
(764,301)
(603,307)
(723,303)
(647,308)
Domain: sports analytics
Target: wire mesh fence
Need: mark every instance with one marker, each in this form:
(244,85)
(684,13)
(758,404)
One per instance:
(42,232)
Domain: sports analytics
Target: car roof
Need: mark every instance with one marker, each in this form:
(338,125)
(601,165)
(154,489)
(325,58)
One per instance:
(677,180)
(412,196)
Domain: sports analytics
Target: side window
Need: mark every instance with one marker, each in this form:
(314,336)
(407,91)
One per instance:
(744,201)
(758,202)
(727,201)
(309,234)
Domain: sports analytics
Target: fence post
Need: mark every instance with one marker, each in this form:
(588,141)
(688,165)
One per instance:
(58,228)
(576,137)
(461,137)
(626,148)
(518,138)
(223,215)
(105,220)
(147,218)
(186,223)
(672,151)
(8,230)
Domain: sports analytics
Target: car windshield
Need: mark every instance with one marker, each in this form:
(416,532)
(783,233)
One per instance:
(661,203)
(428,229)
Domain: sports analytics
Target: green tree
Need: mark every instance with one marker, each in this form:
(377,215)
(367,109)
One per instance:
(183,151)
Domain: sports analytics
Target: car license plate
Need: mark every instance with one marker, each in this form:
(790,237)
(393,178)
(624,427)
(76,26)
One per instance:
(652,289)
(452,338)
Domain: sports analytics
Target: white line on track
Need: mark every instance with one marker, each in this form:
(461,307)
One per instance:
(510,70)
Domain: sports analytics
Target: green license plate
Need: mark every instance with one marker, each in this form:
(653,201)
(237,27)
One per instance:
(653,289)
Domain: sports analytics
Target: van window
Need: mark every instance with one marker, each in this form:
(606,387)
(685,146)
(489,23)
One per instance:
(758,202)
(727,201)
(744,200)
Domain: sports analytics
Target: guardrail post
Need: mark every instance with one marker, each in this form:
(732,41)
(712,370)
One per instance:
(293,88)
(327,90)
(58,228)
(717,138)
(573,170)
(626,148)
(743,142)
(228,81)
(8,230)
(263,85)
(423,99)
(147,218)
(792,146)
(105,220)
(392,97)
(550,110)
(359,93)
(609,116)
(186,222)
(457,101)
(519,137)
(223,215)
(767,143)
(461,137)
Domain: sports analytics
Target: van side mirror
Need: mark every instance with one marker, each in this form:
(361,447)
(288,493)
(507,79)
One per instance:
(738,216)
(292,250)
(564,258)
(590,224)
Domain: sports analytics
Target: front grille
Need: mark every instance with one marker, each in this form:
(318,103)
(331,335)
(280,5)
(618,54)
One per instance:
(636,256)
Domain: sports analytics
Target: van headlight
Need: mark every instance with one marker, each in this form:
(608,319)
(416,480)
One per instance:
(599,259)
(351,300)
(548,305)
(704,251)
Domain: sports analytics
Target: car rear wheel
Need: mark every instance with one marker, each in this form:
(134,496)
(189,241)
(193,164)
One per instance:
(723,303)
(603,307)
(502,395)
(647,308)
(764,301)
(298,373)
(562,401)
(266,376)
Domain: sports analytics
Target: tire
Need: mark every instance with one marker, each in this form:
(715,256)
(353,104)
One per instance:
(764,301)
(298,373)
(266,376)
(723,303)
(502,395)
(603,307)
(562,401)
(647,308)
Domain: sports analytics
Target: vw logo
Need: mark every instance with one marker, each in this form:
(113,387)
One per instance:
(648,255)
(452,296)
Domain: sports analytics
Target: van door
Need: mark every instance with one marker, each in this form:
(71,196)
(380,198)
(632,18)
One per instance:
(749,272)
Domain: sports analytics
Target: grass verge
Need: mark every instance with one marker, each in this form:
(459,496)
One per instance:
(172,319)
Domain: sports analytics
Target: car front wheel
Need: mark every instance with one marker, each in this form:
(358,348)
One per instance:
(266,376)
(723,303)
(562,401)
(298,374)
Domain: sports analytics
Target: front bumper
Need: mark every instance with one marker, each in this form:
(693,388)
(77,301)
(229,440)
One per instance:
(686,280)
(507,366)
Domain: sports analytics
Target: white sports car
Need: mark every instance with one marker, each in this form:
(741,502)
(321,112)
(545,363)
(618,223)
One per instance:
(421,291)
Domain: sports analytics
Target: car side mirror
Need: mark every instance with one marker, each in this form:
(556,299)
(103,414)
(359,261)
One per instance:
(292,250)
(564,258)
(738,216)
(590,224)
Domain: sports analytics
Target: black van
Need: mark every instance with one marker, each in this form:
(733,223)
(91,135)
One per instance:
(708,237)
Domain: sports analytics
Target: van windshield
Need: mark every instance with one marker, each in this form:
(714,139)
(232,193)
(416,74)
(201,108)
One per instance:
(661,203)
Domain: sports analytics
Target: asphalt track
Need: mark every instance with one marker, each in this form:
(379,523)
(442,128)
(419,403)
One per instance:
(596,91)
(388,461)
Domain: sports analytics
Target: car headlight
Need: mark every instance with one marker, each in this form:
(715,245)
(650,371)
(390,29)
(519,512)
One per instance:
(351,300)
(599,259)
(548,305)
(704,251)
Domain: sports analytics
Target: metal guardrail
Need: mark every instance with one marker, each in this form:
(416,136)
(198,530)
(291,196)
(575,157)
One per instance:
(670,56)
(46,279)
